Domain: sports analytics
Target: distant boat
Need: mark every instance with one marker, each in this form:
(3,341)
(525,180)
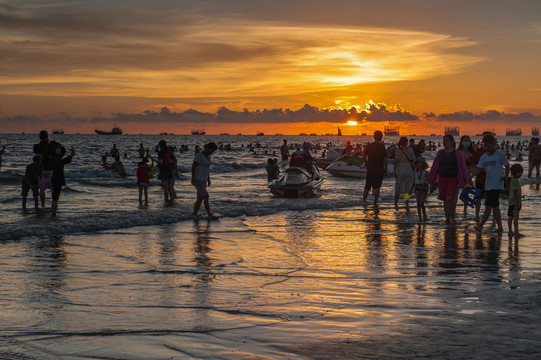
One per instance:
(392,131)
(115,131)
(535,131)
(454,131)
(198,132)
(260,134)
(513,132)
(58,131)
(224,134)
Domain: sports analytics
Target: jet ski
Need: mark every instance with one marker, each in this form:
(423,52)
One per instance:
(353,166)
(297,182)
(348,166)
(332,154)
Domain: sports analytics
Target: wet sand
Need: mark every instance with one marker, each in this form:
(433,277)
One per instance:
(346,284)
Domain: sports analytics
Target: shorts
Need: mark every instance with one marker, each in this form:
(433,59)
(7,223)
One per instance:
(373,180)
(285,157)
(201,187)
(46,176)
(26,189)
(492,198)
(511,210)
(145,185)
(448,187)
(480,187)
(165,174)
(421,190)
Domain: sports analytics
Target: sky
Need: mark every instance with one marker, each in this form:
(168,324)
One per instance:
(275,66)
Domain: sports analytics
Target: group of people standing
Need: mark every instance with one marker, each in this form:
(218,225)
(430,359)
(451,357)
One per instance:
(46,172)
(453,169)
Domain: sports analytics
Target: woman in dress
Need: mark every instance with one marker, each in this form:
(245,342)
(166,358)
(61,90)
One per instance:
(449,173)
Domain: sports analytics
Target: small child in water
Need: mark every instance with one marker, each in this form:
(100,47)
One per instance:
(515,201)
(32,180)
(272,169)
(421,186)
(144,172)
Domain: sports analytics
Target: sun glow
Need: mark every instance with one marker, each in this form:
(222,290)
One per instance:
(352,122)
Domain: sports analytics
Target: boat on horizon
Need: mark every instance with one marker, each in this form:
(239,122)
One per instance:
(392,131)
(513,132)
(58,131)
(452,130)
(260,134)
(198,132)
(114,131)
(535,131)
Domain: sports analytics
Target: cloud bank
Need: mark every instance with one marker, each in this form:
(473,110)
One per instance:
(372,114)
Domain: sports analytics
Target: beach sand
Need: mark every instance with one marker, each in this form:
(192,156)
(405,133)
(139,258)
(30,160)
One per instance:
(345,284)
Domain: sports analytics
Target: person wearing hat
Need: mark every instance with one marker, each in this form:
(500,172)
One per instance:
(420,184)
(42,149)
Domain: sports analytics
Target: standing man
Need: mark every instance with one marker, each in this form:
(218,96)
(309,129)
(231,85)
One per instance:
(534,157)
(42,149)
(375,158)
(284,151)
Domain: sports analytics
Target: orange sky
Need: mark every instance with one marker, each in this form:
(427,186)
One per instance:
(85,65)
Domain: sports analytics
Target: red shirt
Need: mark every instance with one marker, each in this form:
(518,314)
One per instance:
(142,174)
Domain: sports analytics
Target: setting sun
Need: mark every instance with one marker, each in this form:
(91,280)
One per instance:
(352,122)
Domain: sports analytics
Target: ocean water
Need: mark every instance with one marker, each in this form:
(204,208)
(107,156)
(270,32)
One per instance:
(273,278)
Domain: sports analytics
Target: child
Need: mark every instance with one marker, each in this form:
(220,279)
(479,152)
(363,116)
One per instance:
(31,180)
(492,162)
(421,186)
(272,170)
(515,201)
(143,179)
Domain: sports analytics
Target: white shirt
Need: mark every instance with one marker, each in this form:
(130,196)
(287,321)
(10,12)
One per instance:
(203,167)
(493,166)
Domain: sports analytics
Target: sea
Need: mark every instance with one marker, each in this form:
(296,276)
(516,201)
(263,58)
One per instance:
(273,278)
